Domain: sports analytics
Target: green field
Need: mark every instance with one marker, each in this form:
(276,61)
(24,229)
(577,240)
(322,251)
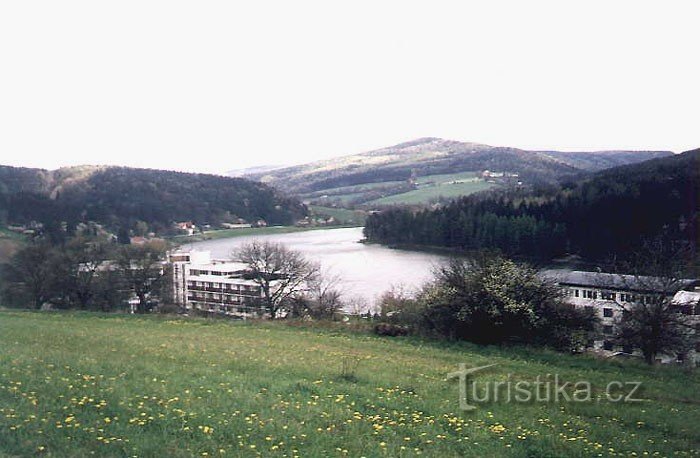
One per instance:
(230,233)
(76,384)
(343,215)
(436,186)
(353,189)
(347,194)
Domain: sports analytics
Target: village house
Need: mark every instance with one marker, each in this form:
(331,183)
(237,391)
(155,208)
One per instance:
(608,294)
(188,227)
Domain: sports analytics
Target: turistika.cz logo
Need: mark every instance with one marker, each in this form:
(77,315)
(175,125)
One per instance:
(549,388)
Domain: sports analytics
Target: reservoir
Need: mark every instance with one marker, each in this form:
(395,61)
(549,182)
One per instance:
(364,270)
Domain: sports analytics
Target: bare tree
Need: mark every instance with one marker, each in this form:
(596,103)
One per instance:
(84,257)
(325,297)
(32,272)
(142,269)
(358,306)
(281,273)
(650,321)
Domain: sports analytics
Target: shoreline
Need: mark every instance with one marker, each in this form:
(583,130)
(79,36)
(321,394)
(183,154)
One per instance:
(243,232)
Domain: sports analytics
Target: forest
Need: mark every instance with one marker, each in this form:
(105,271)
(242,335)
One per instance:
(120,197)
(609,213)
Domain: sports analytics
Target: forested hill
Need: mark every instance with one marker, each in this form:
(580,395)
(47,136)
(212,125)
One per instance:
(430,156)
(119,197)
(611,212)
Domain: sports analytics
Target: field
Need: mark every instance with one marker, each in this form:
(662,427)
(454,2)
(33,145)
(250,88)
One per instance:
(75,384)
(229,233)
(346,194)
(342,215)
(432,187)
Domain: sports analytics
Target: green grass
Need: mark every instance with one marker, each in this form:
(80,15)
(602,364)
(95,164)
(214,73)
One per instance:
(75,384)
(447,178)
(343,215)
(435,186)
(353,189)
(231,233)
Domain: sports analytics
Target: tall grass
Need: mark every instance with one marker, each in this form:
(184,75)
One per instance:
(72,384)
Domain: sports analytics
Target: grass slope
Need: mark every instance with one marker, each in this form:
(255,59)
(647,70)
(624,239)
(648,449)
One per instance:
(435,186)
(342,215)
(72,384)
(244,231)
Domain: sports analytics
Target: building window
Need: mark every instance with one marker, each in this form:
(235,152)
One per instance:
(607,329)
(607,313)
(576,292)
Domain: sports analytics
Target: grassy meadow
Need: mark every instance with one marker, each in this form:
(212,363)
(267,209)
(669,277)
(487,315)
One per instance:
(240,232)
(75,384)
(342,215)
(436,186)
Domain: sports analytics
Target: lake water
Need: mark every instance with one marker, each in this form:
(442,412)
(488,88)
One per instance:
(364,270)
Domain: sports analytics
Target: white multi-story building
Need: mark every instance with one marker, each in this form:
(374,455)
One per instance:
(218,287)
(608,294)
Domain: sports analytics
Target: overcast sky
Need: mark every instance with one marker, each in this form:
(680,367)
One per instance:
(211,86)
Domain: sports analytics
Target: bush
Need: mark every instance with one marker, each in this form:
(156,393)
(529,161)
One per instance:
(494,300)
(391,330)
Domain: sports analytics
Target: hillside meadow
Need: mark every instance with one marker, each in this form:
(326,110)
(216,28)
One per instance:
(75,384)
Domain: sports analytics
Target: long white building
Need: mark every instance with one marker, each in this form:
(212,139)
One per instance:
(217,287)
(608,294)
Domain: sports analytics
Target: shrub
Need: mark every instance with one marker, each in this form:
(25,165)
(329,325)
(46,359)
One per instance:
(391,330)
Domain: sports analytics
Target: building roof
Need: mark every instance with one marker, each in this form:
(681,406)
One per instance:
(617,281)
(221,266)
(686,298)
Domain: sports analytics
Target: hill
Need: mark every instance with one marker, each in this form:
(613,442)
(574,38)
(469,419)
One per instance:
(74,384)
(120,196)
(608,213)
(364,177)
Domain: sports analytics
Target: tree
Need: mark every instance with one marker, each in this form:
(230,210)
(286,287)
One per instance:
(82,259)
(491,299)
(32,275)
(281,273)
(650,321)
(324,297)
(141,267)
(123,236)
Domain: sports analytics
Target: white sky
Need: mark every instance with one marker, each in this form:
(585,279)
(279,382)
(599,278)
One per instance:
(211,86)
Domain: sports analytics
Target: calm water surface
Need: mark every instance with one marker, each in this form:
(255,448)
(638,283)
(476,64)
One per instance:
(365,270)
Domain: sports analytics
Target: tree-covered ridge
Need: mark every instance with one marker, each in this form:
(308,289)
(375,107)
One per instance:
(431,156)
(610,213)
(120,196)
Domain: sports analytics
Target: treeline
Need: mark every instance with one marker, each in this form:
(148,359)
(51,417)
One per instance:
(85,273)
(612,212)
(121,197)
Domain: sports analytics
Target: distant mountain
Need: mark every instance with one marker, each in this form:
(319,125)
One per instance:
(119,197)
(252,170)
(431,156)
(608,213)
